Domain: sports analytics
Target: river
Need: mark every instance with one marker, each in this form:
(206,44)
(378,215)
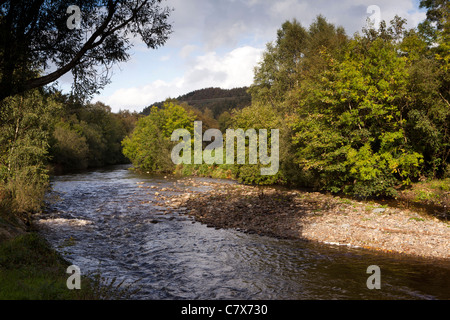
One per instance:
(101,221)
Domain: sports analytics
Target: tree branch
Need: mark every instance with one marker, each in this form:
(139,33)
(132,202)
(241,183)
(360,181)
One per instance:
(31,39)
(446,101)
(90,44)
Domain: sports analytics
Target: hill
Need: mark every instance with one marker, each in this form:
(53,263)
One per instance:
(217,100)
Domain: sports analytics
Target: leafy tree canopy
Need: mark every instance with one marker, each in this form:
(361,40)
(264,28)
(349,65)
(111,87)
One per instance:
(37,47)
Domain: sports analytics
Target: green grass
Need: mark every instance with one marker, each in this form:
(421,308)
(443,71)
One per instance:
(441,185)
(205,170)
(423,195)
(346,201)
(434,191)
(31,270)
(416,219)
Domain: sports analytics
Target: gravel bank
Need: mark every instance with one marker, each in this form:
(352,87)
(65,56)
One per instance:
(312,216)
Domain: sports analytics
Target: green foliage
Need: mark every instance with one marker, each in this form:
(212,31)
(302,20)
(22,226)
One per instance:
(89,136)
(352,132)
(149,147)
(222,171)
(26,125)
(362,116)
(366,115)
(293,57)
(429,83)
(225,121)
(70,148)
(34,37)
(277,73)
(41,129)
(260,116)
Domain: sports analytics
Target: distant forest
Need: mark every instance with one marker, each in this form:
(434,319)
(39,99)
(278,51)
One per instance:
(217,100)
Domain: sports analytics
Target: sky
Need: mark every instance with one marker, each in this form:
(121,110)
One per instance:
(218,43)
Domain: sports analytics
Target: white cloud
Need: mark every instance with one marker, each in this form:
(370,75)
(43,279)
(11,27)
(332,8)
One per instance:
(137,98)
(225,22)
(231,70)
(234,69)
(187,50)
(218,43)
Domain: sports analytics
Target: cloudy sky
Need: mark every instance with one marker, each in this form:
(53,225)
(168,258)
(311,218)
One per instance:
(217,43)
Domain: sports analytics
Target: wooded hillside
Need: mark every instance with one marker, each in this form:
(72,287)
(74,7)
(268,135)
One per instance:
(217,100)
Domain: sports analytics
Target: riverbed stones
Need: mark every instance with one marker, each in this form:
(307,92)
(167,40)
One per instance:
(311,216)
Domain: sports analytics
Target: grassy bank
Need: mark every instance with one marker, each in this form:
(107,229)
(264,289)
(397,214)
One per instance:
(205,170)
(431,196)
(31,270)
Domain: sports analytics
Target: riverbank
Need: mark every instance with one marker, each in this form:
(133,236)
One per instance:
(30,269)
(312,216)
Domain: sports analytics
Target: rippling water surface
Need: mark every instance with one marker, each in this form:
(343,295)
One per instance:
(102,222)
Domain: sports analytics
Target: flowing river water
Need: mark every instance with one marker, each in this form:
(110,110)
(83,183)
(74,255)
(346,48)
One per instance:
(103,223)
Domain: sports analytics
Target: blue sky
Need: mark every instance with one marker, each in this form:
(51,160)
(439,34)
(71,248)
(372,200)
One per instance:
(217,43)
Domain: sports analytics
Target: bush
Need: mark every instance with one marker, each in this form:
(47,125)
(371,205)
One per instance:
(28,187)
(25,131)
(149,147)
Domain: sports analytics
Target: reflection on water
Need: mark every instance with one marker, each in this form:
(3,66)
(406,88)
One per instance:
(103,222)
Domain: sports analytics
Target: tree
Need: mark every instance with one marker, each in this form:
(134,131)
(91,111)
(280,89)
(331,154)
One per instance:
(293,57)
(37,47)
(149,146)
(275,75)
(70,149)
(437,12)
(26,123)
(262,116)
(88,135)
(291,67)
(437,28)
(428,50)
(352,130)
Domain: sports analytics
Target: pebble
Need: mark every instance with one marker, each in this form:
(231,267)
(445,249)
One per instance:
(314,216)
